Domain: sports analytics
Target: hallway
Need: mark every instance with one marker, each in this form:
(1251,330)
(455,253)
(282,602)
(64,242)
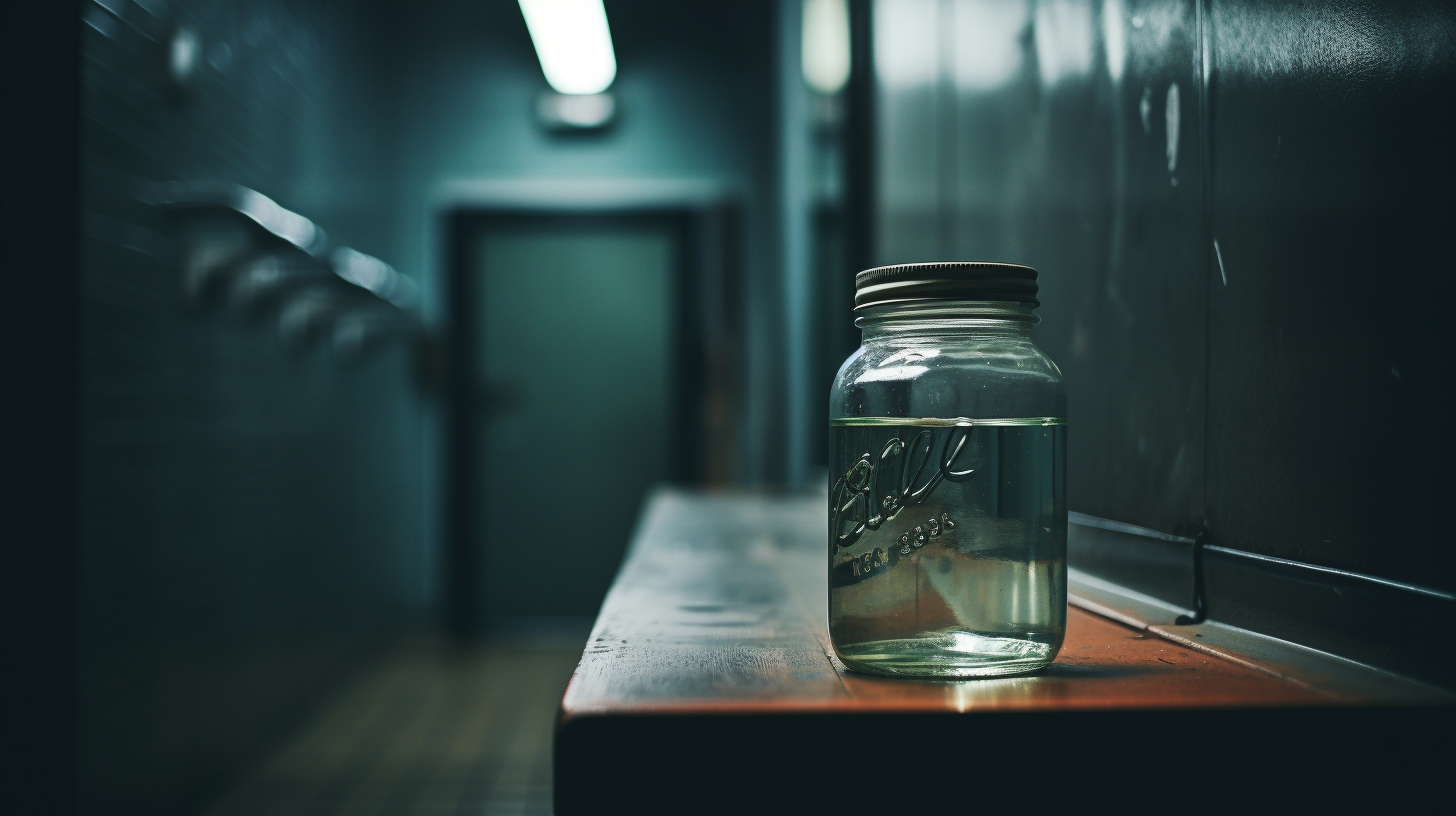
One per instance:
(353,343)
(432,729)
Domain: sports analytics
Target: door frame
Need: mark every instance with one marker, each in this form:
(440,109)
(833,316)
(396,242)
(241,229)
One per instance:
(704,363)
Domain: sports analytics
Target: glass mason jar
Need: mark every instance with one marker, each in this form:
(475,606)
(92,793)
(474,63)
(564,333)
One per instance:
(947,497)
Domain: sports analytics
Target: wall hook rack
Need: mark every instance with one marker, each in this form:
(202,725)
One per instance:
(243,251)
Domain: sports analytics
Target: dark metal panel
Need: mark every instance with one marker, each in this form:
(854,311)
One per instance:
(1077,146)
(1371,620)
(1112,216)
(1249,320)
(1330,356)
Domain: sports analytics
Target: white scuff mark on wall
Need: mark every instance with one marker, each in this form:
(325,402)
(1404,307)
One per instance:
(1173,118)
(1114,38)
(1218,253)
(1064,34)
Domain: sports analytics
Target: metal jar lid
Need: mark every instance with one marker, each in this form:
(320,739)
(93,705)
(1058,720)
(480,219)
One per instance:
(948,280)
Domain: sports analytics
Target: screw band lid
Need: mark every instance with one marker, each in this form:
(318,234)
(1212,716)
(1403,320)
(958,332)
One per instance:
(946,280)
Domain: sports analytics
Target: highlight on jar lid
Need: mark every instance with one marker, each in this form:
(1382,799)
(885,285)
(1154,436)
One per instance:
(946,280)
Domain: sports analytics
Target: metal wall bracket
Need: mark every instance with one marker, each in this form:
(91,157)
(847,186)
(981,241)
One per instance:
(1156,565)
(1182,587)
(241,249)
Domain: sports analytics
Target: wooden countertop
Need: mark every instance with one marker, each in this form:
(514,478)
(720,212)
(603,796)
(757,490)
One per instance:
(719,609)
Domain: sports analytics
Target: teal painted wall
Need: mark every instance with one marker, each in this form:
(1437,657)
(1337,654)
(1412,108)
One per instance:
(251,515)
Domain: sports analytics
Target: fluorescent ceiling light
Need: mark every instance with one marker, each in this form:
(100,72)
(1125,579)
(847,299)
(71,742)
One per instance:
(573,43)
(826,45)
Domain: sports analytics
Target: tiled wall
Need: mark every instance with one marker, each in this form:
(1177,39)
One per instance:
(250,512)
(1239,214)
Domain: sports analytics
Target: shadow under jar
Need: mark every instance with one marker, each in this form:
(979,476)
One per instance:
(947,497)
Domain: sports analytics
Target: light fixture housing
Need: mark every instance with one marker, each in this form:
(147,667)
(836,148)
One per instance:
(567,112)
(573,44)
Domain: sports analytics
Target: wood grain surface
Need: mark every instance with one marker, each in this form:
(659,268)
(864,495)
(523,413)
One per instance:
(709,680)
(720,607)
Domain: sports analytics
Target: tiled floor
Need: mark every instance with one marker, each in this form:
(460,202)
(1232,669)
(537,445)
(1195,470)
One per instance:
(432,731)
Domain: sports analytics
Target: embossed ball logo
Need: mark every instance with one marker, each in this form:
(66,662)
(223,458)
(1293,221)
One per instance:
(852,498)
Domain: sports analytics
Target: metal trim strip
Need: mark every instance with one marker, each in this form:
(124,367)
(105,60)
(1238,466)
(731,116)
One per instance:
(1358,576)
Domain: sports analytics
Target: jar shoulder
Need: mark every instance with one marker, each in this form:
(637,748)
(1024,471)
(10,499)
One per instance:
(994,377)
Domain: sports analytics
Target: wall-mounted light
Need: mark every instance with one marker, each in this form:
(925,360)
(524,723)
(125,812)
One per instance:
(573,43)
(826,45)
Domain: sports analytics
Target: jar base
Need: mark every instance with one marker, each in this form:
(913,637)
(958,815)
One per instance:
(949,655)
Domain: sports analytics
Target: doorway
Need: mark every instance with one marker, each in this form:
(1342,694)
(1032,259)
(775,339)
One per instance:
(588,363)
